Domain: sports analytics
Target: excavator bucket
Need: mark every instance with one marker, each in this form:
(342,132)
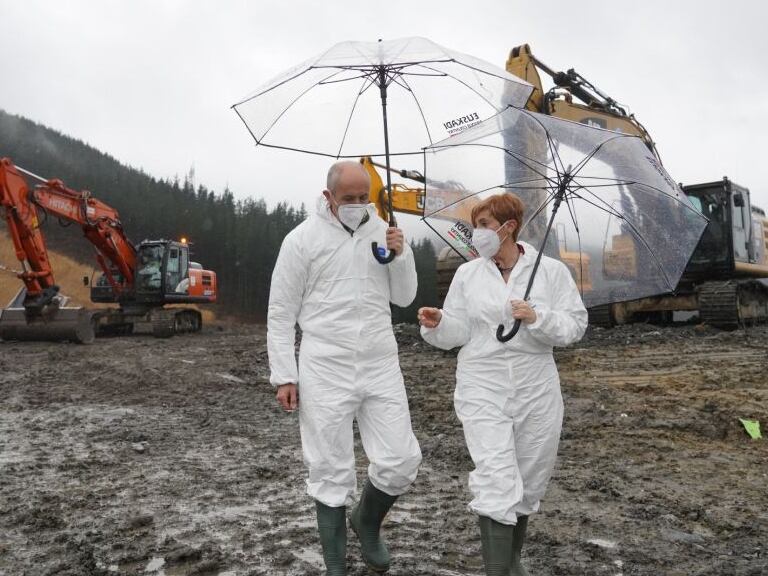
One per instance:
(52,324)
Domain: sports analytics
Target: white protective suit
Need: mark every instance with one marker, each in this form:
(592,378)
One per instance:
(508,394)
(328,281)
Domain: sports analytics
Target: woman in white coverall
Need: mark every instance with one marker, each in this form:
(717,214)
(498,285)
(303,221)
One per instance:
(507,394)
(327,280)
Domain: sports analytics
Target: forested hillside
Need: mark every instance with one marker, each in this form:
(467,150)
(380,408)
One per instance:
(239,239)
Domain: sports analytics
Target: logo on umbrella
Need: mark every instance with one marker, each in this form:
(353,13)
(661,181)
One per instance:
(460,124)
(462,233)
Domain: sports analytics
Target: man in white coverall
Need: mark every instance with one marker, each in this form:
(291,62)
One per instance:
(327,280)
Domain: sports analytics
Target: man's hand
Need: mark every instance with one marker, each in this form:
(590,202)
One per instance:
(429,317)
(395,240)
(288,397)
(522,310)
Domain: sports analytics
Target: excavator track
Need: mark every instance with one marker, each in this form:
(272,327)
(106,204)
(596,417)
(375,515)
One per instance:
(601,316)
(733,303)
(170,321)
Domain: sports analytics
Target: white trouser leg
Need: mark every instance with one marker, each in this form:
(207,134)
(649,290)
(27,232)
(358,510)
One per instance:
(385,430)
(326,412)
(495,483)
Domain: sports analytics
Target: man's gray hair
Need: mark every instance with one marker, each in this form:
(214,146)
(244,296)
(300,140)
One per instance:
(334,172)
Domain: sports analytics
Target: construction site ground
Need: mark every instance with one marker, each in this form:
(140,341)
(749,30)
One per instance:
(141,456)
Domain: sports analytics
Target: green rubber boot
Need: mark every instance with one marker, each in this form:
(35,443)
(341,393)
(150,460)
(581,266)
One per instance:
(496,539)
(518,537)
(366,521)
(332,526)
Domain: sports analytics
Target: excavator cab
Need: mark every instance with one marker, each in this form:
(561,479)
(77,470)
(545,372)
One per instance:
(161,266)
(165,274)
(713,257)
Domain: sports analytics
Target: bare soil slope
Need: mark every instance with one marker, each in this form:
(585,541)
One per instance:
(171,457)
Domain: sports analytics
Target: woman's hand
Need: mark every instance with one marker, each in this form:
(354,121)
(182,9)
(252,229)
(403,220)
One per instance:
(522,310)
(429,317)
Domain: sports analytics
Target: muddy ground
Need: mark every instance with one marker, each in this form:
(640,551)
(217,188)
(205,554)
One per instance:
(171,457)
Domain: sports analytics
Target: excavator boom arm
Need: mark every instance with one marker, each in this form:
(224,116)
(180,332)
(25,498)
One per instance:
(100,224)
(24,228)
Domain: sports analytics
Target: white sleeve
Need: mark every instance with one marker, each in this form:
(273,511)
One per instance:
(454,329)
(289,279)
(403,282)
(564,321)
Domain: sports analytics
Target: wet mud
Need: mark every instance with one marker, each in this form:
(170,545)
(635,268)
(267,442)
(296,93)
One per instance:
(140,456)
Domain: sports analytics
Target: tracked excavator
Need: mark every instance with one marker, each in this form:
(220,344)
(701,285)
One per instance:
(726,280)
(142,280)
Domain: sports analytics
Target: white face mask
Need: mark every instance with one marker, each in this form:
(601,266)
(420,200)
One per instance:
(486,241)
(351,215)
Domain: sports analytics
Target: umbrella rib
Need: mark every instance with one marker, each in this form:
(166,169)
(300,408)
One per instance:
(478,94)
(591,155)
(365,88)
(424,219)
(542,206)
(520,158)
(400,81)
(437,74)
(273,87)
(283,112)
(572,211)
(351,113)
(460,200)
(515,155)
(392,66)
(418,105)
(620,182)
(515,184)
(638,235)
(325,82)
(555,156)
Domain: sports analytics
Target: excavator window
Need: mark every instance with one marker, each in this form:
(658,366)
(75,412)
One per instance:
(713,246)
(175,272)
(149,277)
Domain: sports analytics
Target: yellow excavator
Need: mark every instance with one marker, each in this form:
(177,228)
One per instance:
(726,280)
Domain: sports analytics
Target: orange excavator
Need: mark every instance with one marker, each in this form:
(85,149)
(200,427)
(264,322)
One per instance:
(141,279)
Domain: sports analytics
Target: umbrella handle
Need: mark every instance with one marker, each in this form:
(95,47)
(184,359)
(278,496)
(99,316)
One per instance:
(501,337)
(379,258)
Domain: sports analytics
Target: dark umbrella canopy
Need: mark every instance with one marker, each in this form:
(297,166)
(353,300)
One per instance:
(599,201)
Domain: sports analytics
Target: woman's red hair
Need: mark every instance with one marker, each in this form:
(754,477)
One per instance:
(503,207)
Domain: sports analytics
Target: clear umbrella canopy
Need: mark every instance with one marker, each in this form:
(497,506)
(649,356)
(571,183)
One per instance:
(615,216)
(332,104)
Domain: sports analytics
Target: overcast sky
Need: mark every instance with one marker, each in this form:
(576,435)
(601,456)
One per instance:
(151,82)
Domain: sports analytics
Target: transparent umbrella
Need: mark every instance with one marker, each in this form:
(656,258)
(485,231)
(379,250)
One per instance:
(331,104)
(599,201)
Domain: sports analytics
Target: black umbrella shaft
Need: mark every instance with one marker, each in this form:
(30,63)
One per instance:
(558,199)
(383,91)
(500,336)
